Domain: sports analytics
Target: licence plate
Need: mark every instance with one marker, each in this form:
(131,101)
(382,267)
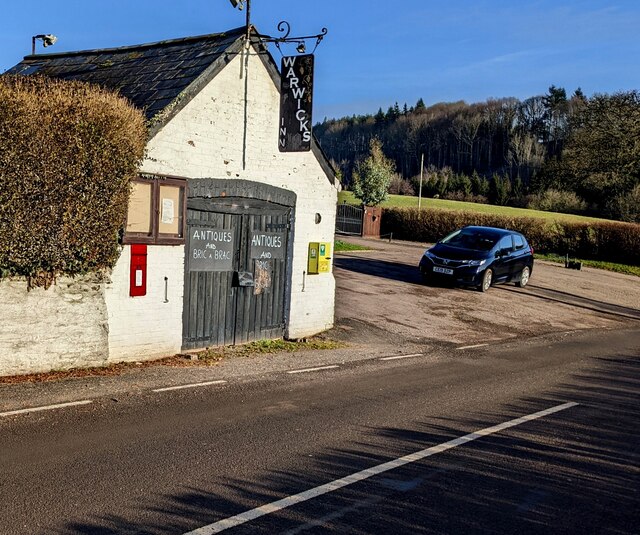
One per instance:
(446,271)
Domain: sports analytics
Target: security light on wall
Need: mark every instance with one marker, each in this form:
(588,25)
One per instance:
(47,39)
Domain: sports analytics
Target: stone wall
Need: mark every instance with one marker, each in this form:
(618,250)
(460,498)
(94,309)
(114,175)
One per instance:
(62,327)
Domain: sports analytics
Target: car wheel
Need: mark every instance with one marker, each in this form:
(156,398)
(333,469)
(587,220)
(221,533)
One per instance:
(525,274)
(487,278)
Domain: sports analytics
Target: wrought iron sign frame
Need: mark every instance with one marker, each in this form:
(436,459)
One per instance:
(285,27)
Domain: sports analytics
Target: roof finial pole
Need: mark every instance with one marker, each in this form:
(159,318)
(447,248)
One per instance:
(248,19)
(239,4)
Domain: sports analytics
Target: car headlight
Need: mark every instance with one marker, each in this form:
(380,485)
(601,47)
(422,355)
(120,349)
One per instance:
(474,262)
(429,254)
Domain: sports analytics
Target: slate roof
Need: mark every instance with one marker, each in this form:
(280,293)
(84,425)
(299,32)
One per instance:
(151,76)
(158,78)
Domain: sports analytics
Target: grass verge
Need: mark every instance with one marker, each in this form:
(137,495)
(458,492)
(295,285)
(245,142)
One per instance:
(262,347)
(342,246)
(599,264)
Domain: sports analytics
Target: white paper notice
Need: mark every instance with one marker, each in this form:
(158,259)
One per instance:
(167,211)
(138,277)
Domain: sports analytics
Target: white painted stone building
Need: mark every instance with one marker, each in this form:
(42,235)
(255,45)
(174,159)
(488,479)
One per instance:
(213,170)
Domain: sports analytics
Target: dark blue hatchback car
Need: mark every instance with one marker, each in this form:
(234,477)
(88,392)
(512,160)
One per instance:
(480,257)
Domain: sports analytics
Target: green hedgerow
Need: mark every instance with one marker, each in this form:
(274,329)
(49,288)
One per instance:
(599,240)
(67,153)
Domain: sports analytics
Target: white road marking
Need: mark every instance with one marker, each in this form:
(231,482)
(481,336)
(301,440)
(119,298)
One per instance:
(47,407)
(193,385)
(472,347)
(313,369)
(278,505)
(401,357)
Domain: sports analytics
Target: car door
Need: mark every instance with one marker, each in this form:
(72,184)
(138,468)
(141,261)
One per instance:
(503,265)
(520,255)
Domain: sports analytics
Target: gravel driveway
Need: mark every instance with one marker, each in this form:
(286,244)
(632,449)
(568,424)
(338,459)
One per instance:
(381,300)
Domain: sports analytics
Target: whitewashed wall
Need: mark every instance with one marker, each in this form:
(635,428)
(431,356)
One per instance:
(86,322)
(59,328)
(148,326)
(205,139)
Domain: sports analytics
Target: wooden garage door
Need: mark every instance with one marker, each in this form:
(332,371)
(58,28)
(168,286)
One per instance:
(236,272)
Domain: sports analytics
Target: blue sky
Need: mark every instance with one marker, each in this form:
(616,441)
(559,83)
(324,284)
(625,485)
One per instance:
(378,52)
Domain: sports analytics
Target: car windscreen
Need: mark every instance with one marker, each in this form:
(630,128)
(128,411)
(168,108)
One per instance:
(477,240)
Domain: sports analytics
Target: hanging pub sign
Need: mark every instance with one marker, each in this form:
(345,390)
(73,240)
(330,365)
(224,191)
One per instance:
(296,93)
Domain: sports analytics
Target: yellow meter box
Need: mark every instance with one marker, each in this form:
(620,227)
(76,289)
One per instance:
(319,258)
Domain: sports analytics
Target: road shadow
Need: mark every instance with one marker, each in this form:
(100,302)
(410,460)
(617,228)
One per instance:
(573,472)
(385,269)
(575,300)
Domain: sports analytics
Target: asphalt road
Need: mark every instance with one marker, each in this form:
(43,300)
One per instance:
(175,461)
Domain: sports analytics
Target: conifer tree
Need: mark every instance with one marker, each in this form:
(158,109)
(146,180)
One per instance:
(373,175)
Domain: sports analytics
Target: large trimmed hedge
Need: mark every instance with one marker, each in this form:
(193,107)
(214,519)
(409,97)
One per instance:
(609,241)
(67,153)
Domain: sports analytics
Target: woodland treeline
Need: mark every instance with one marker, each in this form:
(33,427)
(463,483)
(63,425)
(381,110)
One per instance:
(557,152)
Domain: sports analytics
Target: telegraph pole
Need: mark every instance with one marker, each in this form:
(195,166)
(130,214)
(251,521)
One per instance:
(420,189)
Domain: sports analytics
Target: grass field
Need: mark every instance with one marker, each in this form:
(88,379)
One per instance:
(404,201)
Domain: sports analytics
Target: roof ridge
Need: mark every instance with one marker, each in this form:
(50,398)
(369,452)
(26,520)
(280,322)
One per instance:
(167,42)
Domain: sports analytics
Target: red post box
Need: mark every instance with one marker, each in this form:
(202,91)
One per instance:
(138,273)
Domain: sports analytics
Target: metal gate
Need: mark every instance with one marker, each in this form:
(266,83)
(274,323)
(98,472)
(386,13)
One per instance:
(236,271)
(349,219)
